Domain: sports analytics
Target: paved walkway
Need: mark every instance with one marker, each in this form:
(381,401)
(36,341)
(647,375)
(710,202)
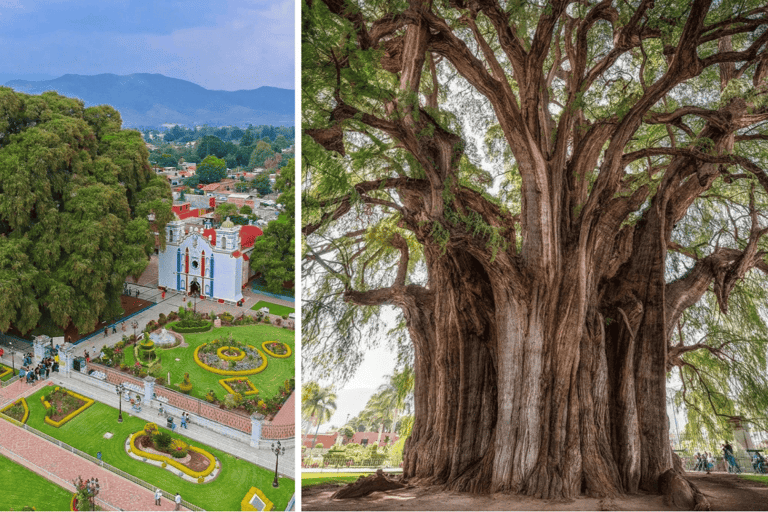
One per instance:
(48,459)
(260,456)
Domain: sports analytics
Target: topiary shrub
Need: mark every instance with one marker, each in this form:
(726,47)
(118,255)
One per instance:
(185,386)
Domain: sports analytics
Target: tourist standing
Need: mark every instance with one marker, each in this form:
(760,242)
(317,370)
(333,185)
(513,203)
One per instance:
(122,326)
(178,501)
(184,419)
(114,328)
(158,495)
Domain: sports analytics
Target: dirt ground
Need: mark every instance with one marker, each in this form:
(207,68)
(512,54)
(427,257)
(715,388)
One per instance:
(724,491)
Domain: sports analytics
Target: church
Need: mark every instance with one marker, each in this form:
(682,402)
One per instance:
(210,262)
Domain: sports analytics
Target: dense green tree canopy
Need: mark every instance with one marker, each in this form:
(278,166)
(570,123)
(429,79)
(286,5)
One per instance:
(76,192)
(273,252)
(262,184)
(211,145)
(260,153)
(211,170)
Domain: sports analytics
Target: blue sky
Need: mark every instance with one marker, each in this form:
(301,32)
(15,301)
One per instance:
(222,44)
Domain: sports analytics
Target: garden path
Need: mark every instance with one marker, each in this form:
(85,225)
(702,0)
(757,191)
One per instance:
(39,454)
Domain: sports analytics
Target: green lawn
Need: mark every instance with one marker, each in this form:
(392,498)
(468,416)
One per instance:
(21,488)
(274,309)
(310,479)
(755,478)
(86,432)
(268,381)
(10,375)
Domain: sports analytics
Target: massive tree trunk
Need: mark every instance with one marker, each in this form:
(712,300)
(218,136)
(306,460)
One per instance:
(541,339)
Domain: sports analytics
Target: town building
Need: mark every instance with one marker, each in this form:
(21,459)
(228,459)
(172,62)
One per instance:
(210,262)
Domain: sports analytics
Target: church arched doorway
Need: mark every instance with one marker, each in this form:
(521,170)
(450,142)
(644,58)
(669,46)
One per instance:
(194,288)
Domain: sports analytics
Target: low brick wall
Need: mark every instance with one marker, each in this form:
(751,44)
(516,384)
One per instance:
(269,431)
(187,403)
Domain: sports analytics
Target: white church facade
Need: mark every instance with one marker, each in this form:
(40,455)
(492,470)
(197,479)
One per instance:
(211,262)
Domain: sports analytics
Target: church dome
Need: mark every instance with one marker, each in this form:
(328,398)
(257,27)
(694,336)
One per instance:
(227,223)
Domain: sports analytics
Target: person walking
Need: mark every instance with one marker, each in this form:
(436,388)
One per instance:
(158,495)
(122,326)
(177,499)
(114,328)
(184,419)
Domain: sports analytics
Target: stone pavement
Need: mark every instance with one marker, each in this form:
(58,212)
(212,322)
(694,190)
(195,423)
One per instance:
(260,456)
(43,457)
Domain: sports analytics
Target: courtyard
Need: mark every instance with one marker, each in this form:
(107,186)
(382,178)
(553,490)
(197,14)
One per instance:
(95,431)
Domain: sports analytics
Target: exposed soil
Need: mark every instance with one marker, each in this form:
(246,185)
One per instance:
(57,402)
(724,492)
(194,461)
(129,304)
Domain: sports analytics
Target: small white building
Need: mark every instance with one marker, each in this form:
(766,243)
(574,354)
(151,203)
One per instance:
(211,262)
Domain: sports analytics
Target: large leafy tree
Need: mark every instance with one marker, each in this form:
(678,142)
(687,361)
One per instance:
(625,142)
(274,252)
(76,198)
(211,170)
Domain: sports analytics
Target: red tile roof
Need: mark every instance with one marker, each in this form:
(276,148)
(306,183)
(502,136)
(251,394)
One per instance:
(236,254)
(212,233)
(249,234)
(327,440)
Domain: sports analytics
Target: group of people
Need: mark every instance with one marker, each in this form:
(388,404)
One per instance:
(704,462)
(170,424)
(41,371)
(176,499)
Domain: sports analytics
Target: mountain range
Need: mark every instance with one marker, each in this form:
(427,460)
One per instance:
(145,99)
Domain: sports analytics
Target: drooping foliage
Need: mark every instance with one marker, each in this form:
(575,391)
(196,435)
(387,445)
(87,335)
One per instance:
(78,204)
(564,202)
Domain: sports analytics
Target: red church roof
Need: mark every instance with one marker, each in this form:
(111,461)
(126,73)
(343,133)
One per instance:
(248,235)
(212,233)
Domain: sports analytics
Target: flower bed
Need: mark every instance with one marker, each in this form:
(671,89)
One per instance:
(18,410)
(253,361)
(62,405)
(238,354)
(170,460)
(277,349)
(246,503)
(237,385)
(5,371)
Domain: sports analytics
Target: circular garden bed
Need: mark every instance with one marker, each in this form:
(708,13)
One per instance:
(277,349)
(230,357)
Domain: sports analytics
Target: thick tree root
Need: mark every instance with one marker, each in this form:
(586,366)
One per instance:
(365,485)
(681,493)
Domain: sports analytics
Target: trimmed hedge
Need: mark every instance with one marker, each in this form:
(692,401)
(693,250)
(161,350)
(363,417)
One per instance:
(224,382)
(26,411)
(283,356)
(185,330)
(246,503)
(169,460)
(236,373)
(88,402)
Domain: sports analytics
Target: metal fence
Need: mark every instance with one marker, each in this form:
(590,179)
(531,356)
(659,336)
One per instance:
(105,505)
(15,343)
(744,465)
(101,463)
(123,319)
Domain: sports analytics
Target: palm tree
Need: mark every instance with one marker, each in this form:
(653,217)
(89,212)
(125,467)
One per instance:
(319,405)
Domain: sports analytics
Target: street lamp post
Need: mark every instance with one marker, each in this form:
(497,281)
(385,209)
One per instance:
(93,490)
(119,390)
(278,451)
